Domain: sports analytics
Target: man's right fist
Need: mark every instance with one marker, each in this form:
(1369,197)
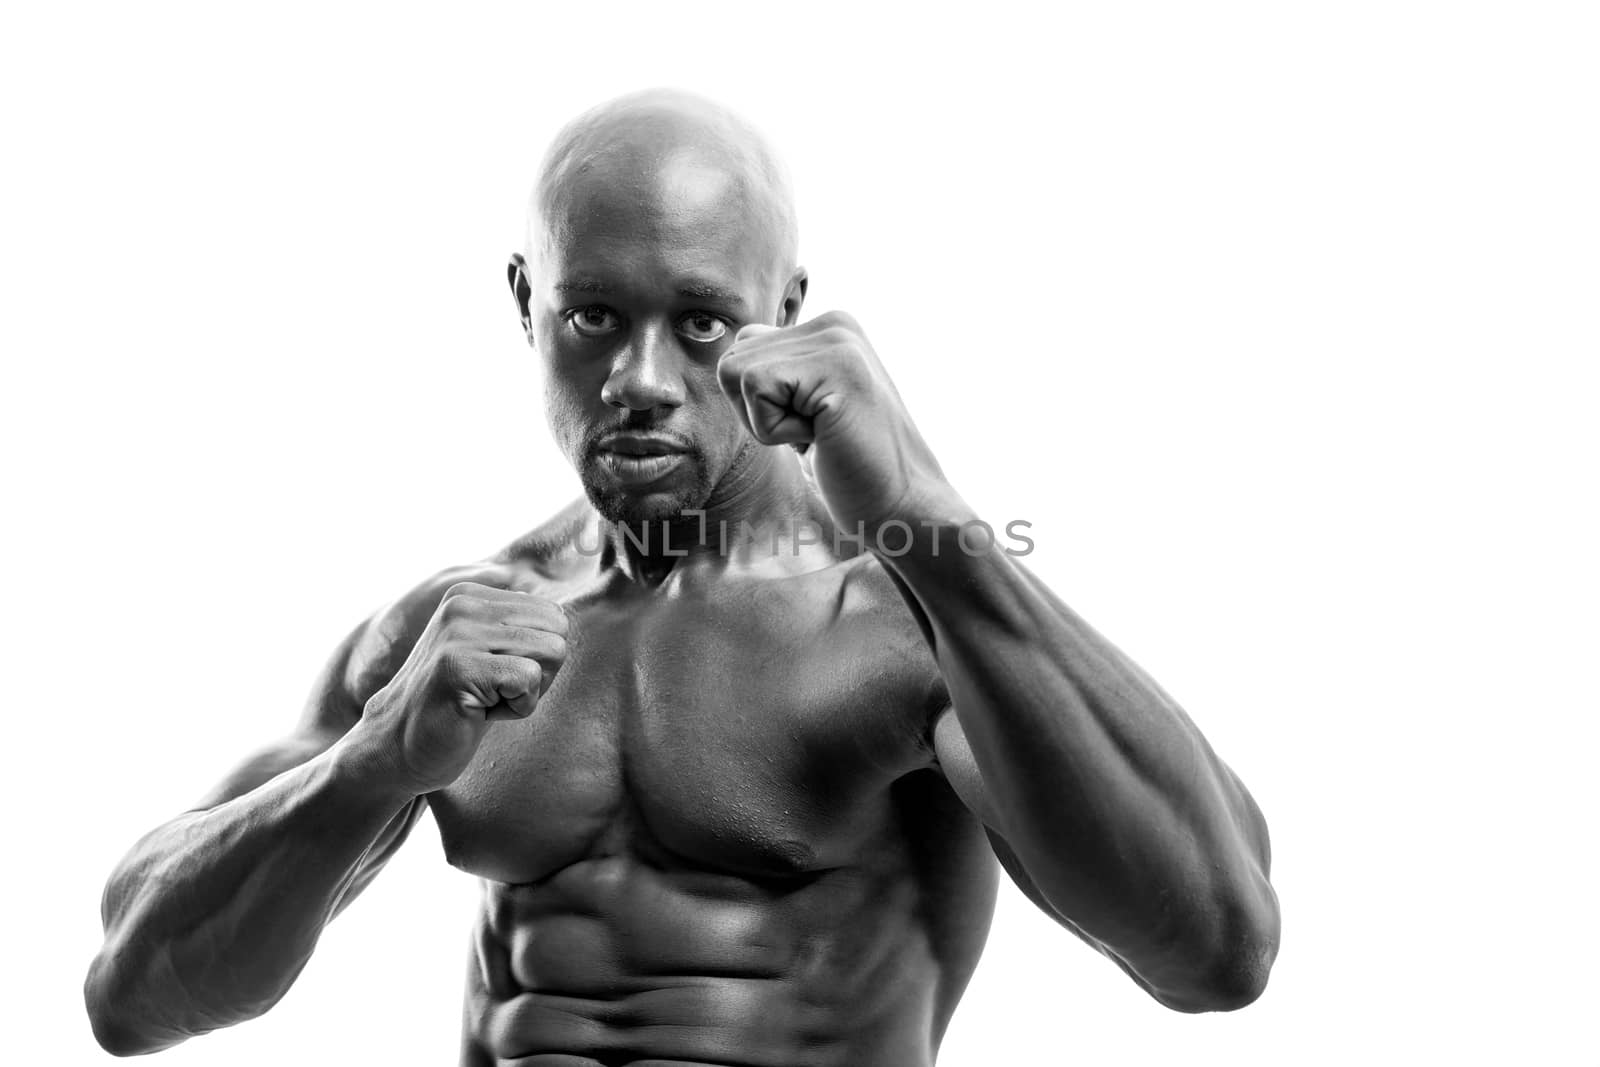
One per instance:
(485,654)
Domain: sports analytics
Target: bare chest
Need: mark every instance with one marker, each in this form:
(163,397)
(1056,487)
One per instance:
(755,734)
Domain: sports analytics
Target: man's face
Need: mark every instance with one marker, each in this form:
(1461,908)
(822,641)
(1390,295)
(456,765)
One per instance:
(642,280)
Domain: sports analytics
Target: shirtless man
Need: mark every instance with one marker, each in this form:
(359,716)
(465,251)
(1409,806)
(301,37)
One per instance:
(731,804)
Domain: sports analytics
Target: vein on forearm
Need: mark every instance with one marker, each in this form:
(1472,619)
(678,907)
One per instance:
(223,906)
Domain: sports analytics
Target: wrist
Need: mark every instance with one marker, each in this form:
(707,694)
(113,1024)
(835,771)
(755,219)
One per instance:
(364,762)
(926,520)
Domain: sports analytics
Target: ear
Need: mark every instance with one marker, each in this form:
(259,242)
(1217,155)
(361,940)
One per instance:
(794,296)
(522,291)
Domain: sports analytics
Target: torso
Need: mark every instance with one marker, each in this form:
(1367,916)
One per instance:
(721,839)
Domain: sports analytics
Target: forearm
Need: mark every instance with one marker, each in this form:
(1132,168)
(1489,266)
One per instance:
(211,917)
(1114,803)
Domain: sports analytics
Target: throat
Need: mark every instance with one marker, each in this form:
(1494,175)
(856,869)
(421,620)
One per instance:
(648,551)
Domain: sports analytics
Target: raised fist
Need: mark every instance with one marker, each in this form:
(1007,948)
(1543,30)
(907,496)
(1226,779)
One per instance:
(485,654)
(819,386)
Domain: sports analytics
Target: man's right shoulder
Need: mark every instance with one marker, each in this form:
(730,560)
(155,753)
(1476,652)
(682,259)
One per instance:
(376,649)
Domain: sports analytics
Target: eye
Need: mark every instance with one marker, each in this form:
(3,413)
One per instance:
(702,326)
(595,320)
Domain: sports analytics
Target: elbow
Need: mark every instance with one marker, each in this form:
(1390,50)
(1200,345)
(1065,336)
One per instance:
(1232,969)
(1231,984)
(118,1038)
(132,1017)
(115,1029)
(112,1032)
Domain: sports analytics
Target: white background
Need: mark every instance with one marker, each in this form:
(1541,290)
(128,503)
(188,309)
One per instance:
(1278,322)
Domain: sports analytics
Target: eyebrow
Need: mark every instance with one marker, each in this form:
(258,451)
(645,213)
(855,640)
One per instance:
(698,290)
(708,291)
(584,285)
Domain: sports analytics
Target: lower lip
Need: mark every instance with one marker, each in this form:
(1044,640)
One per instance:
(639,470)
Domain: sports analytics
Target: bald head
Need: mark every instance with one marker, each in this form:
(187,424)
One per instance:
(665,155)
(660,226)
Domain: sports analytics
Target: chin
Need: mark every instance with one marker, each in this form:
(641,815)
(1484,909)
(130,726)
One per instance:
(635,506)
(628,510)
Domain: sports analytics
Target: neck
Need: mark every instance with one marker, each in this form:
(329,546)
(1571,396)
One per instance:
(762,504)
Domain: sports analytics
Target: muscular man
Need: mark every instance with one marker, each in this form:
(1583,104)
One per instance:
(734,799)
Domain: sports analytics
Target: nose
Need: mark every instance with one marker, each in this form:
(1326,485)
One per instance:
(646,372)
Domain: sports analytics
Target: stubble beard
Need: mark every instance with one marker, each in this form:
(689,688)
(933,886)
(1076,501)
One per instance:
(617,504)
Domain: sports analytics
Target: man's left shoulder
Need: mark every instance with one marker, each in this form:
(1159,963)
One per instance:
(877,620)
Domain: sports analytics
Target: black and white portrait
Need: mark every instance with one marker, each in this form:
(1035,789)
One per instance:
(716,536)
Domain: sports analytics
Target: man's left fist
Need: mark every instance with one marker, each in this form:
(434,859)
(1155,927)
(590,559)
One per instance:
(820,384)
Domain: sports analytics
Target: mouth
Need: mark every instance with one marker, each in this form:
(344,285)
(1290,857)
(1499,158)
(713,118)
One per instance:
(639,469)
(640,458)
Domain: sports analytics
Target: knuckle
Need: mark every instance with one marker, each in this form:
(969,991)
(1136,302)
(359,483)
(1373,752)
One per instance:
(531,641)
(548,614)
(494,610)
(493,576)
(457,608)
(842,340)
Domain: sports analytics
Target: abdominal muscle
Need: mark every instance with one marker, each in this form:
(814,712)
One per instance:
(613,960)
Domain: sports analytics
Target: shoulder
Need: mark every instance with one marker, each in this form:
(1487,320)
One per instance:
(874,616)
(870,591)
(372,653)
(555,548)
